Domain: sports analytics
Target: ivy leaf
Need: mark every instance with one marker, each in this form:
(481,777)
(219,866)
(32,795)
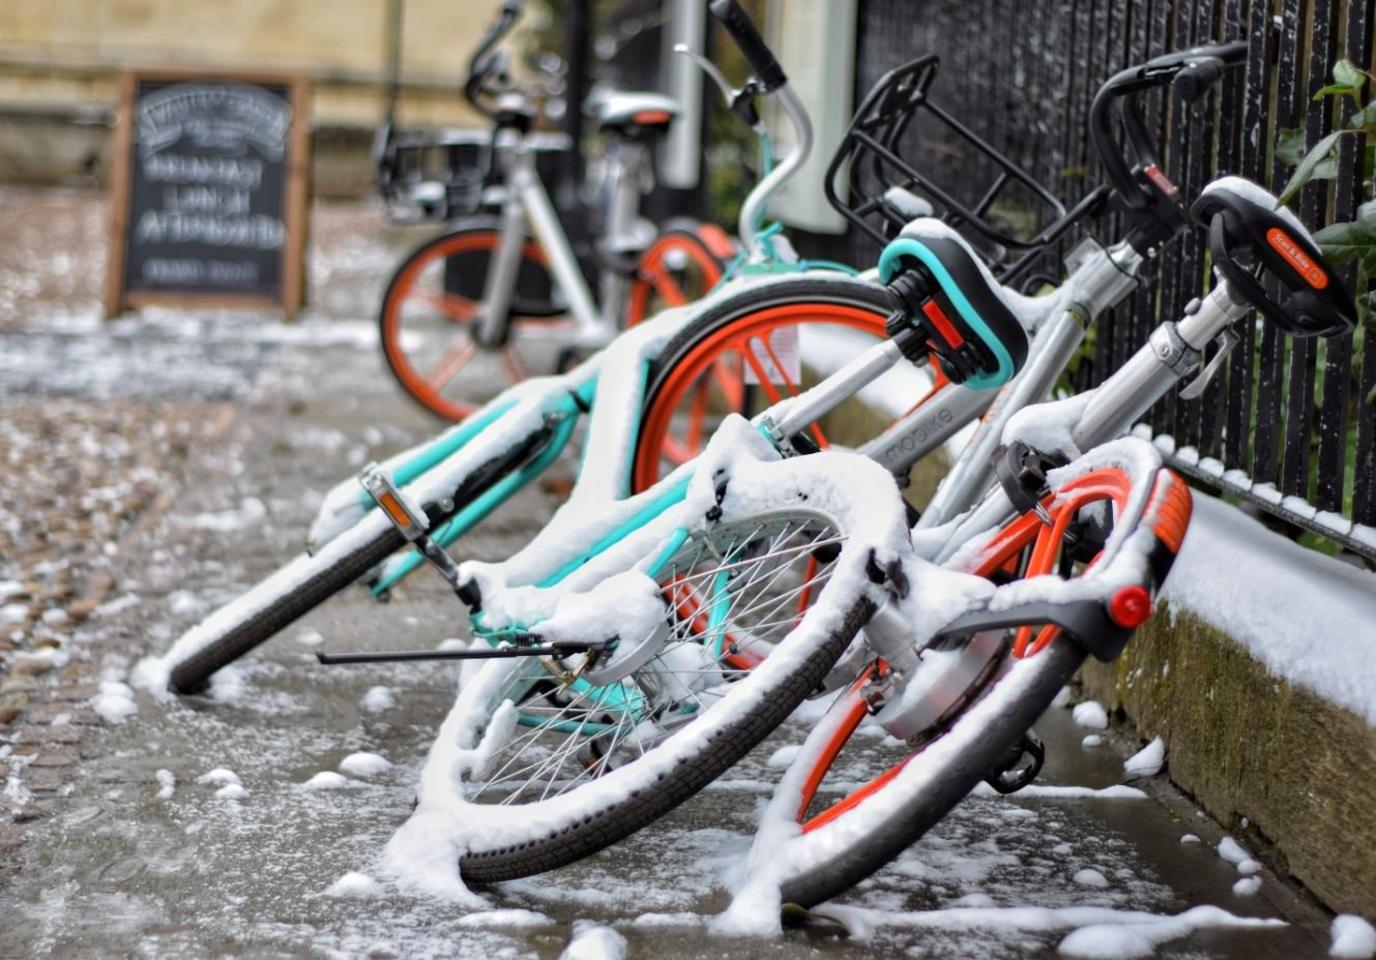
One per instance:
(1318,164)
(1364,117)
(1335,90)
(1347,74)
(1290,146)
(1343,241)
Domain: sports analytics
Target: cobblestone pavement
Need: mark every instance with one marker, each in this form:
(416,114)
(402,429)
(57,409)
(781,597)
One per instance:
(117,841)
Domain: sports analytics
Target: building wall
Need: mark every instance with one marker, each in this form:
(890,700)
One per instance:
(60,56)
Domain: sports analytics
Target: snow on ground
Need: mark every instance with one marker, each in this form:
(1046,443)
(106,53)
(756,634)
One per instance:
(1148,761)
(1306,616)
(1353,938)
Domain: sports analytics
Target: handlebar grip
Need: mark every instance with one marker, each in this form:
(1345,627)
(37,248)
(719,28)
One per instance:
(738,23)
(1191,83)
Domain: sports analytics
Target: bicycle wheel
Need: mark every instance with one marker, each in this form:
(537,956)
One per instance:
(295,589)
(429,308)
(573,756)
(979,697)
(678,267)
(753,350)
(277,601)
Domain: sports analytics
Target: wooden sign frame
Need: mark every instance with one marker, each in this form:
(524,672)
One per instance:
(295,190)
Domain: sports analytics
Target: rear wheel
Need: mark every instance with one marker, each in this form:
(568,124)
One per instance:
(428,313)
(762,346)
(678,268)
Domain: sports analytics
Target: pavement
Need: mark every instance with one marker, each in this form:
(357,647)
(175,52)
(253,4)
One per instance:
(219,433)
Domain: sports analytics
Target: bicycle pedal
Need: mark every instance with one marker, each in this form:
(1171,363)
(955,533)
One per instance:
(1020,767)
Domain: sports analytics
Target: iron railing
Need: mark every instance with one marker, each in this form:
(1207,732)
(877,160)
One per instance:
(1289,425)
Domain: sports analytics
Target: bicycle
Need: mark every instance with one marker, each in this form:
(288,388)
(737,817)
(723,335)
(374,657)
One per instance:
(497,281)
(628,682)
(968,719)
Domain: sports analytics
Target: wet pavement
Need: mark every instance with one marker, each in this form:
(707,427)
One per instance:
(145,851)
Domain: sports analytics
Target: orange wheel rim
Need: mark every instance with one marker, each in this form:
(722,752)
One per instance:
(427,384)
(1027,532)
(656,278)
(722,356)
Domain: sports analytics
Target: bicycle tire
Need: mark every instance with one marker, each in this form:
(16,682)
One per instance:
(986,742)
(641,288)
(191,674)
(485,233)
(825,289)
(566,842)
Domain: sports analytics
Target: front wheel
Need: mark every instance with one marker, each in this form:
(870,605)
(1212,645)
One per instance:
(978,697)
(560,757)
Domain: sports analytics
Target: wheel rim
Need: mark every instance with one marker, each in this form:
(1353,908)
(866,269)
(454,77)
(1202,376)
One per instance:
(427,329)
(728,597)
(675,270)
(710,380)
(1023,548)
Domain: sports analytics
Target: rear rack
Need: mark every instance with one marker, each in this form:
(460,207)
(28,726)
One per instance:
(869,171)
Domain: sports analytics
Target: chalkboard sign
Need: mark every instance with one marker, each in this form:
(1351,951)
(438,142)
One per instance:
(208,195)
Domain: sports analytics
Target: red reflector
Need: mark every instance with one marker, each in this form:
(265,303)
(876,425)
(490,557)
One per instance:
(1130,607)
(942,323)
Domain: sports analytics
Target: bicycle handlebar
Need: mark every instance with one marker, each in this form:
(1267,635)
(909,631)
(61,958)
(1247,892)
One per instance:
(1147,195)
(757,53)
(482,64)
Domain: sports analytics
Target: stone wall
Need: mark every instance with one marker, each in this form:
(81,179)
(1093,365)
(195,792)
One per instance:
(1251,747)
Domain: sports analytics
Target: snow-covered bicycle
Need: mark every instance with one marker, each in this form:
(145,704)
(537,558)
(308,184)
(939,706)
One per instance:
(649,669)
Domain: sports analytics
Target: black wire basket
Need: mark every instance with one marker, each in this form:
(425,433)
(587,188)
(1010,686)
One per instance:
(1002,210)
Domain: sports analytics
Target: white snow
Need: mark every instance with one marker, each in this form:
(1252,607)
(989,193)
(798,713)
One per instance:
(1107,942)
(1353,938)
(1148,761)
(1232,851)
(783,756)
(167,784)
(363,764)
(1189,838)
(118,605)
(329,780)
(377,700)
(115,702)
(310,638)
(231,791)
(250,511)
(1089,877)
(1091,740)
(1248,867)
(1090,714)
(1305,616)
(1247,886)
(355,886)
(594,941)
(506,917)
(220,776)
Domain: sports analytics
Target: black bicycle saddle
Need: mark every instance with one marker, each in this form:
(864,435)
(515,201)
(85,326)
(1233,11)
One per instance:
(941,284)
(1252,241)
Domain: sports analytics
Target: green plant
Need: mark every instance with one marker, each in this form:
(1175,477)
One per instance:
(1355,239)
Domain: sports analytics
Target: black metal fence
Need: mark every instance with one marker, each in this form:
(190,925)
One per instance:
(1290,425)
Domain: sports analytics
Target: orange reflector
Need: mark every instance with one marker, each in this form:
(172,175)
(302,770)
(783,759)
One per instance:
(943,323)
(1130,607)
(394,509)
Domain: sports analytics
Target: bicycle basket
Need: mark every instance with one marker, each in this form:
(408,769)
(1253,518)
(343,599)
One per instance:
(997,206)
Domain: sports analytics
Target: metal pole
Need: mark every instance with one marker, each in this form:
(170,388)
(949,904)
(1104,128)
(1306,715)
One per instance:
(394,11)
(578,27)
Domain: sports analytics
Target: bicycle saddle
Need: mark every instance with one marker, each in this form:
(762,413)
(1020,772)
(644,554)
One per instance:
(635,115)
(976,329)
(1252,241)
